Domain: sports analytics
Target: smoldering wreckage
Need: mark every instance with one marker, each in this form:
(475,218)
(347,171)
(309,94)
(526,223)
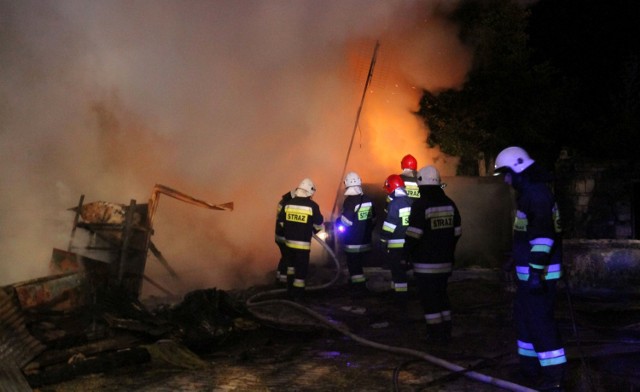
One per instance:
(86,318)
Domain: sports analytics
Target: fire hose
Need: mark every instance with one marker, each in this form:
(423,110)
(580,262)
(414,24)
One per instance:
(250,303)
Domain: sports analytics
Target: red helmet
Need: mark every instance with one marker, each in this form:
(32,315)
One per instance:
(409,162)
(392,182)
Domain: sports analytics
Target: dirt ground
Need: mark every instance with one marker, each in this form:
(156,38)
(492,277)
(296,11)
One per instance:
(369,344)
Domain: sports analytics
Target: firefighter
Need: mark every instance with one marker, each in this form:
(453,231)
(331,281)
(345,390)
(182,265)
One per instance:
(357,218)
(431,239)
(281,271)
(299,218)
(537,257)
(393,232)
(409,175)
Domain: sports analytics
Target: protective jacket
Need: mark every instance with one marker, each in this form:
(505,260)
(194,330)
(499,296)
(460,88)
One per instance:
(396,220)
(358,217)
(536,228)
(300,217)
(410,178)
(433,232)
(279,230)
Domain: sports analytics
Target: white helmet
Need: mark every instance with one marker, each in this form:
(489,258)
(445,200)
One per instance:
(513,158)
(428,175)
(352,179)
(306,188)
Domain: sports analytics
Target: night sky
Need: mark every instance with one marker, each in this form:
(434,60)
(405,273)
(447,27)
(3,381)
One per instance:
(595,46)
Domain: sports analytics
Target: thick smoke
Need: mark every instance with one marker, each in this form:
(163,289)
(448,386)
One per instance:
(223,100)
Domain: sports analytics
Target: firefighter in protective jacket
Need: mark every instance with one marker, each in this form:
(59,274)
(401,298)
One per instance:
(300,218)
(357,218)
(392,234)
(431,239)
(536,253)
(281,271)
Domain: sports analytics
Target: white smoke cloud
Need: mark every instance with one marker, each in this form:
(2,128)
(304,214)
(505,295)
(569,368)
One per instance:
(224,100)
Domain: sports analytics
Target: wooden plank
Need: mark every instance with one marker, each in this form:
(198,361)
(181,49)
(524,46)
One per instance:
(12,379)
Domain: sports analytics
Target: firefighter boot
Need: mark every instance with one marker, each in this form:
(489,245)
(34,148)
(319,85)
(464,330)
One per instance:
(401,307)
(281,279)
(297,294)
(358,290)
(552,378)
(290,279)
(529,366)
(446,330)
(435,334)
(441,334)
(401,302)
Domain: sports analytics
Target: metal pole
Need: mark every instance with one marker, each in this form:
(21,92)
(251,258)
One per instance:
(364,93)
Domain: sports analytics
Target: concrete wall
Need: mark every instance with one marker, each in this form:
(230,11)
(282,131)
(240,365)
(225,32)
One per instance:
(603,265)
(486,205)
(486,208)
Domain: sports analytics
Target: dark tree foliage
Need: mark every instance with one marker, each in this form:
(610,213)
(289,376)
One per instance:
(595,45)
(532,83)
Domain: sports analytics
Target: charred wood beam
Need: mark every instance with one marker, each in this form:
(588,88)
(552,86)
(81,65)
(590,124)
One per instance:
(158,286)
(125,242)
(52,357)
(75,222)
(162,260)
(80,365)
(12,379)
(137,325)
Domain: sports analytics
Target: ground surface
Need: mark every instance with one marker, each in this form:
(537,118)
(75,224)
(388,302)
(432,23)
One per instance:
(383,348)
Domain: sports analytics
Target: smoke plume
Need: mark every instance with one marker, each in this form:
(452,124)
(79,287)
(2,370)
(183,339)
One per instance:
(223,100)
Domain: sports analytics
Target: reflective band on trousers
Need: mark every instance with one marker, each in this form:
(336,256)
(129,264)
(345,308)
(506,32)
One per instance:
(424,268)
(298,283)
(547,358)
(358,279)
(399,287)
(433,318)
(526,349)
(551,358)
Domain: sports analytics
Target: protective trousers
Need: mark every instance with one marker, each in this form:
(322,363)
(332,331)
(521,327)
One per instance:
(398,272)
(539,345)
(355,261)
(297,269)
(432,290)
(281,272)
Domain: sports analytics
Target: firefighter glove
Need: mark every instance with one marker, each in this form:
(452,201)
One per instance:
(537,285)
